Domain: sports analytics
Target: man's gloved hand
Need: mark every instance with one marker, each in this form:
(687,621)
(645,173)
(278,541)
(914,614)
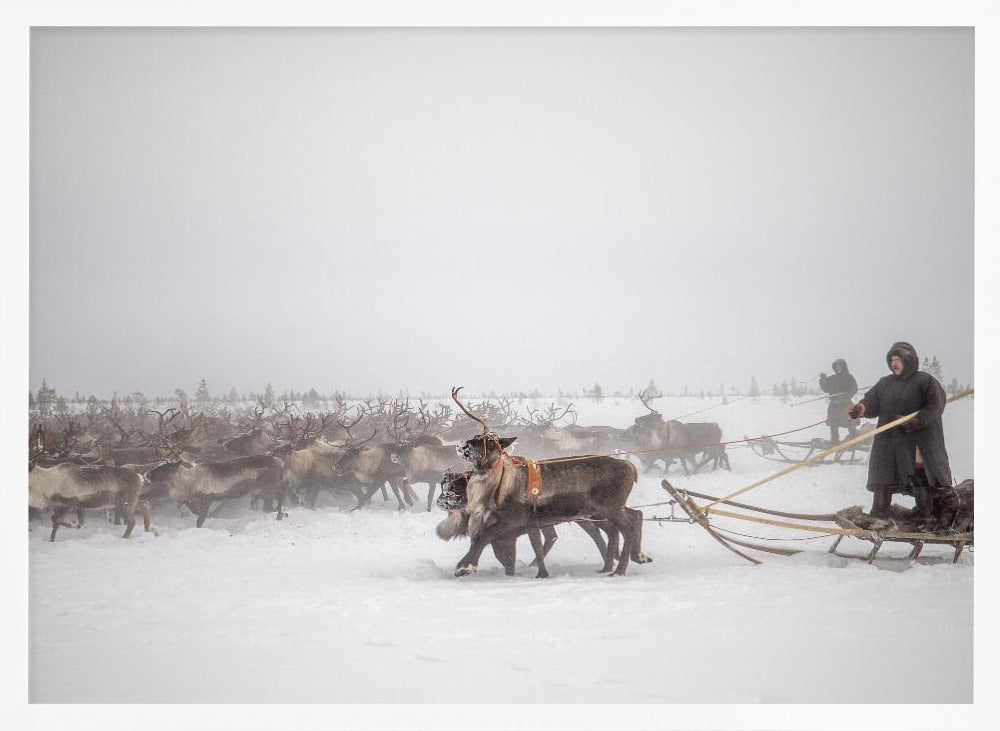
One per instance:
(913,425)
(822,376)
(857,411)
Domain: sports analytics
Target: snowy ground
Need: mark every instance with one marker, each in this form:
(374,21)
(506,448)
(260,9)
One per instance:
(331,606)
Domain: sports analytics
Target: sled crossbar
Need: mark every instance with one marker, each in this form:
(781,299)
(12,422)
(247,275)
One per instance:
(918,540)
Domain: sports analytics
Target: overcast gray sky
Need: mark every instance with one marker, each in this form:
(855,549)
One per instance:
(377,209)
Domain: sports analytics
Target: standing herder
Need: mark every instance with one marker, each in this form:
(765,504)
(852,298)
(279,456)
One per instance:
(841,386)
(910,458)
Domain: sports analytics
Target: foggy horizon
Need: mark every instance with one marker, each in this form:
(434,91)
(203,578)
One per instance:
(508,209)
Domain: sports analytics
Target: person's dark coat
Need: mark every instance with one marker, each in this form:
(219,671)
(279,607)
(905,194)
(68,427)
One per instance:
(842,386)
(893,456)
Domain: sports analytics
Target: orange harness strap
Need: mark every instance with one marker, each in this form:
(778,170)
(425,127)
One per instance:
(534,479)
(534,474)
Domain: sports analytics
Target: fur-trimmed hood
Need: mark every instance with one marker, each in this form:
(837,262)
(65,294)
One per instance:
(842,363)
(911,363)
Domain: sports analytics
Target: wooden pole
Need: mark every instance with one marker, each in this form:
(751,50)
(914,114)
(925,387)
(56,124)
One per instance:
(831,450)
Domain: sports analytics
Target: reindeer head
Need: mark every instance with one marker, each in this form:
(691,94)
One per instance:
(165,470)
(349,459)
(483,450)
(282,450)
(648,421)
(454,491)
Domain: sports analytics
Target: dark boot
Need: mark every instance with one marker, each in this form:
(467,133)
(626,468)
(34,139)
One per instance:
(881,501)
(925,508)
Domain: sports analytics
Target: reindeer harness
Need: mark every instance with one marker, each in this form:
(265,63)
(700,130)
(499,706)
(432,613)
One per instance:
(534,487)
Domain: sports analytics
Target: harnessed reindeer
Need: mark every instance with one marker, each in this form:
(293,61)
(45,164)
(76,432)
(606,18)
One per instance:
(509,496)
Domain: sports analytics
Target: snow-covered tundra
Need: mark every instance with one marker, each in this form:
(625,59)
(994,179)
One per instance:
(337,606)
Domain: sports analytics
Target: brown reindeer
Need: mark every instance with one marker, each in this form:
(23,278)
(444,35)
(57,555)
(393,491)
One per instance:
(454,499)
(422,456)
(575,489)
(254,441)
(372,468)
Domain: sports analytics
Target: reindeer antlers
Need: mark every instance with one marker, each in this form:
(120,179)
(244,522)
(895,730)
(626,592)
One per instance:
(454,395)
(645,396)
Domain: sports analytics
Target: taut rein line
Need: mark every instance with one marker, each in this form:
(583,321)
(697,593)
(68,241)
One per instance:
(667,448)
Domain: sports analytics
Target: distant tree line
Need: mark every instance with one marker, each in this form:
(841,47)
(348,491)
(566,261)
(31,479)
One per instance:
(47,401)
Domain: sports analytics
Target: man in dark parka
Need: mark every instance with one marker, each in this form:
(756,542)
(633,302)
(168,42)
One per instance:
(910,458)
(841,386)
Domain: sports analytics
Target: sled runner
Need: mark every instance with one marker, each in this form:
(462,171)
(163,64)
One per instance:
(796,452)
(953,510)
(901,530)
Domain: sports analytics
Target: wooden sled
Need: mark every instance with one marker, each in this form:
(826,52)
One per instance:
(796,452)
(878,531)
(850,521)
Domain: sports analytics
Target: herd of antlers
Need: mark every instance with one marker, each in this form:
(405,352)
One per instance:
(104,428)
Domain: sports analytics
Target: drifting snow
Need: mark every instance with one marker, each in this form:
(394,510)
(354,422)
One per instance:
(340,607)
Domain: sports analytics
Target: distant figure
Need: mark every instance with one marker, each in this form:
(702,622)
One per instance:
(911,458)
(841,386)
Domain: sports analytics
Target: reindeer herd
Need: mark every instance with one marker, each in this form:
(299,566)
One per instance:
(127,459)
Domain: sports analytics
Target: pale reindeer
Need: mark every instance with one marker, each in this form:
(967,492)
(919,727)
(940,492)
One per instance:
(423,457)
(69,487)
(373,467)
(199,484)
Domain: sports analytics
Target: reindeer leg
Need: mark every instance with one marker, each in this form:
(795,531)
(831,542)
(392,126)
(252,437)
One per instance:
(282,491)
(637,555)
(505,549)
(365,496)
(535,536)
(396,492)
(79,517)
(385,494)
(144,504)
(550,537)
(202,511)
(470,561)
(408,493)
(595,535)
(57,515)
(623,522)
(431,489)
(611,552)
(128,512)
